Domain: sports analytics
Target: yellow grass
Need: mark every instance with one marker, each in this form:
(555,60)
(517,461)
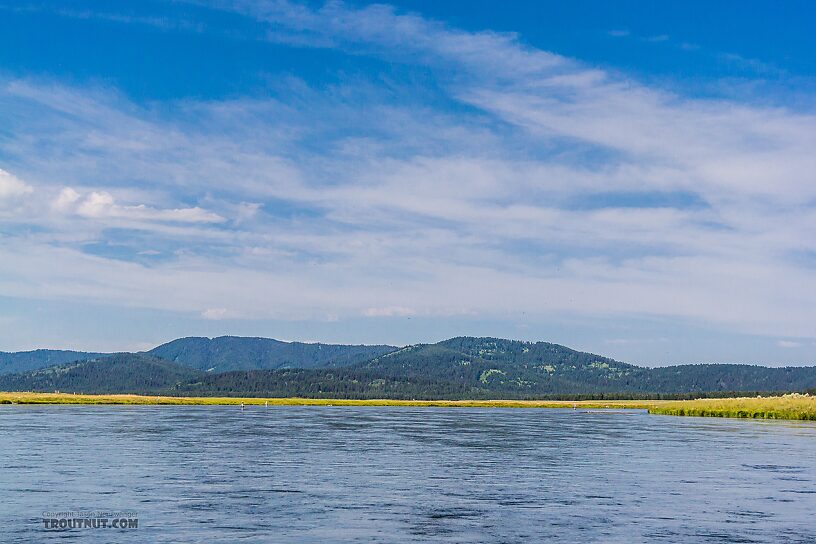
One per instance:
(67,398)
(793,406)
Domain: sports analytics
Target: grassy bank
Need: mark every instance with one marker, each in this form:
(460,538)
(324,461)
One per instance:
(792,406)
(67,398)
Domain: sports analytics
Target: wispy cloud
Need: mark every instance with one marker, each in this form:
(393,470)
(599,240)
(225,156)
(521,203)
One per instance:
(619,33)
(741,62)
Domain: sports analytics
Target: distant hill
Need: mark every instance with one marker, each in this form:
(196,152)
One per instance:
(121,373)
(241,353)
(453,369)
(727,377)
(23,361)
(215,355)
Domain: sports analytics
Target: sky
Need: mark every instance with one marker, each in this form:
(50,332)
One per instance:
(631,178)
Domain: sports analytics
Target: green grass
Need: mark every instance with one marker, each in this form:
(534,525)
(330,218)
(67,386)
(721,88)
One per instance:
(793,406)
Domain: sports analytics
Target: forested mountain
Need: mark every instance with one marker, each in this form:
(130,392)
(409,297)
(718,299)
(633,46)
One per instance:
(23,361)
(241,353)
(453,369)
(513,368)
(120,373)
(505,366)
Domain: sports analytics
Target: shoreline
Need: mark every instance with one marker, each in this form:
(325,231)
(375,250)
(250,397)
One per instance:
(161,400)
(791,407)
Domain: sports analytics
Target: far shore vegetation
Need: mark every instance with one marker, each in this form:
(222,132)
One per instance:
(792,406)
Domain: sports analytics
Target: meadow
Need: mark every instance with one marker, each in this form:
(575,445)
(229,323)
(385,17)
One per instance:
(792,406)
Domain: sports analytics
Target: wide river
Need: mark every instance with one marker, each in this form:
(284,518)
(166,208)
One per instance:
(371,474)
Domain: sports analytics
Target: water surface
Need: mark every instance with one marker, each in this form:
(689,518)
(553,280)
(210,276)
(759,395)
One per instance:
(396,474)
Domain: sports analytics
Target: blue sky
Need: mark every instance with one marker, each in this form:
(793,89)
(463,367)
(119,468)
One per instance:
(630,178)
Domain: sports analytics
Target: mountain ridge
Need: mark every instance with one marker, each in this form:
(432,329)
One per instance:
(461,367)
(225,353)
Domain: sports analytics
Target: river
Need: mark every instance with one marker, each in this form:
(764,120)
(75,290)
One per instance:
(397,474)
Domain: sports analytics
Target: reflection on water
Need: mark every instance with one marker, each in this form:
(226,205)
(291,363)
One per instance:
(363,474)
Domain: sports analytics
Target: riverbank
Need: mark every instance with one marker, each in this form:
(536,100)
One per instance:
(68,398)
(793,406)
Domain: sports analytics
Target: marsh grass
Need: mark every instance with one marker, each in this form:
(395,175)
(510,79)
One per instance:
(793,406)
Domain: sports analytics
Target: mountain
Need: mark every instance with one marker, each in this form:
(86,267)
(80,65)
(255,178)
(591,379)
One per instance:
(120,373)
(459,368)
(241,353)
(463,367)
(23,361)
(476,368)
(505,365)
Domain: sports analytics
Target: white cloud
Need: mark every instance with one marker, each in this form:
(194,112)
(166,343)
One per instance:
(101,205)
(11,186)
(214,313)
(389,311)
(788,344)
(66,200)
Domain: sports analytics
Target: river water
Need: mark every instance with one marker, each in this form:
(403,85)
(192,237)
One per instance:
(373,474)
